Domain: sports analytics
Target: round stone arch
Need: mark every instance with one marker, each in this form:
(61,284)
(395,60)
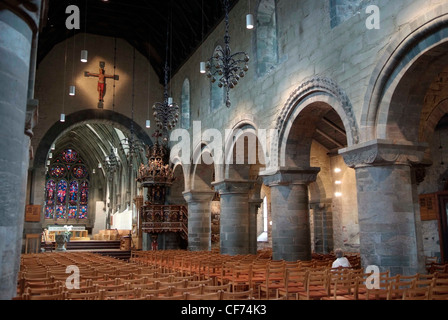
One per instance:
(177,164)
(198,166)
(244,128)
(310,101)
(179,184)
(393,102)
(429,124)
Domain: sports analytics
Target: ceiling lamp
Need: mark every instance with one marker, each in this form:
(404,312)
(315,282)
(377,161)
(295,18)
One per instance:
(228,67)
(249,21)
(72,90)
(84,52)
(84,56)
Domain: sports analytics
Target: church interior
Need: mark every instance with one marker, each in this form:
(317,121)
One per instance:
(223,150)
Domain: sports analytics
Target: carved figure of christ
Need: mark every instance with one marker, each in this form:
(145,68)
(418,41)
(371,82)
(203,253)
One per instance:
(101,80)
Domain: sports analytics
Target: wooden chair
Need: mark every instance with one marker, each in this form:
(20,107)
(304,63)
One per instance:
(168,298)
(181,290)
(316,286)
(241,277)
(56,288)
(157,292)
(417,293)
(93,295)
(295,282)
(397,289)
(342,289)
(211,289)
(438,292)
(44,297)
(195,283)
(205,296)
(274,280)
(258,274)
(240,295)
(381,292)
(126,294)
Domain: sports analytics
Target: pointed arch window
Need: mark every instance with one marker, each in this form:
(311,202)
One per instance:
(67,187)
(185,107)
(267,44)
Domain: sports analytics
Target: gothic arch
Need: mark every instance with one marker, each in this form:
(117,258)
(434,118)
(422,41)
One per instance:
(83,117)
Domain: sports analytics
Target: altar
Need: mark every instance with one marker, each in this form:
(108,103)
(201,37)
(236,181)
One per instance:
(78,233)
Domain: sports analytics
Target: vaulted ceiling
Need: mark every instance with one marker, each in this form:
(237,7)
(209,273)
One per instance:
(143,23)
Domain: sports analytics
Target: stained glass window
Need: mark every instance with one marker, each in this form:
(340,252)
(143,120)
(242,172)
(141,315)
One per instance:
(67,187)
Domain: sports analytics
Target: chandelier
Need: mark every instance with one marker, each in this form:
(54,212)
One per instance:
(225,67)
(166,113)
(132,146)
(111,163)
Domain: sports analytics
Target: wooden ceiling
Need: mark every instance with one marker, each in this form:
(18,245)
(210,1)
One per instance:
(143,23)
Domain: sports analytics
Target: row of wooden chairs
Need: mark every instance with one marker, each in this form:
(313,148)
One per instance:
(180,272)
(128,291)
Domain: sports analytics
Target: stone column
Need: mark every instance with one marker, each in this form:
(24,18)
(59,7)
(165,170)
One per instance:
(387,219)
(199,220)
(19,22)
(291,238)
(235,216)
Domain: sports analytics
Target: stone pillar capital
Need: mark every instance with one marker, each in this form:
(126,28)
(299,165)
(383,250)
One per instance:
(198,196)
(290,176)
(383,152)
(230,186)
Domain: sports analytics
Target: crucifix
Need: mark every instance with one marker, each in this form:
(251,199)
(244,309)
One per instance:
(102,76)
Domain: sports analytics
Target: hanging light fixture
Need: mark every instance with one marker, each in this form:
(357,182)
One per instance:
(62,117)
(132,145)
(72,90)
(249,19)
(111,162)
(166,113)
(84,56)
(84,52)
(148,121)
(230,68)
(202,65)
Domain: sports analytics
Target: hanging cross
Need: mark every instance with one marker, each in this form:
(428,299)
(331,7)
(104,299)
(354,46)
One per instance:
(102,76)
